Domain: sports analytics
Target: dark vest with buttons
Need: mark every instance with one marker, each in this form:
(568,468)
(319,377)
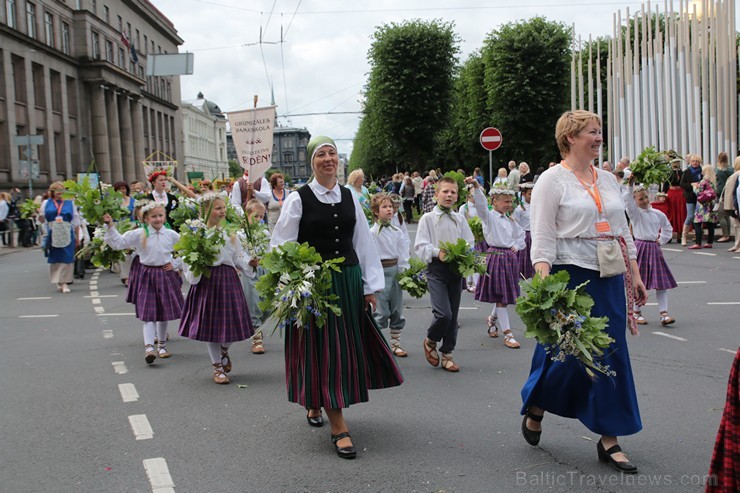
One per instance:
(328,227)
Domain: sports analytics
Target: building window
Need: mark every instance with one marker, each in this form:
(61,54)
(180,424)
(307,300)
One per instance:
(106,14)
(31,20)
(141,72)
(128,30)
(108,51)
(138,39)
(288,143)
(95,46)
(144,46)
(287,157)
(10,13)
(49,28)
(39,94)
(72,97)
(152,52)
(19,78)
(55,80)
(159,49)
(121,58)
(94,7)
(65,38)
(120,24)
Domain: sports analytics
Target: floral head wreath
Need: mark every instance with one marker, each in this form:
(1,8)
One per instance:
(207,199)
(501,191)
(526,186)
(141,203)
(156,175)
(638,188)
(151,204)
(661,194)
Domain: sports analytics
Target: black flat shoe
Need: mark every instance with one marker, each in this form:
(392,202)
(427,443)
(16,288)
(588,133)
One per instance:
(606,456)
(316,421)
(344,452)
(532,437)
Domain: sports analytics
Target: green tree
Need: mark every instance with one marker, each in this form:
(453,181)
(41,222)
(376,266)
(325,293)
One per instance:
(408,95)
(527,82)
(235,171)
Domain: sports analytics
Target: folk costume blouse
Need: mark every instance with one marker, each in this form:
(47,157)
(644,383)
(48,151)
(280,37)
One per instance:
(390,242)
(159,245)
(438,226)
(498,229)
(647,224)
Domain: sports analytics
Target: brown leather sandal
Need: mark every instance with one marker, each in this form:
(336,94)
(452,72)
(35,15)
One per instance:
(219,376)
(430,352)
(448,364)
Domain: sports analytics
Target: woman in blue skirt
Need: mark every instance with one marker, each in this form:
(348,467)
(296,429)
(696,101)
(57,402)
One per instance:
(574,207)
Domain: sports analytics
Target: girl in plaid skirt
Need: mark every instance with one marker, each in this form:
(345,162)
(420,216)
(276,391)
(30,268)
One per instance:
(651,229)
(215,308)
(505,237)
(158,298)
(255,211)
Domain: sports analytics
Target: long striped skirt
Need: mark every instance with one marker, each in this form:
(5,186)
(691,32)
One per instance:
(334,366)
(653,267)
(216,310)
(501,282)
(133,278)
(606,405)
(158,295)
(525,259)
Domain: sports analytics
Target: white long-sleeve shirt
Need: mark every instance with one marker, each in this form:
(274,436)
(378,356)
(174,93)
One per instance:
(395,221)
(563,218)
(159,245)
(435,227)
(521,215)
(647,224)
(391,244)
(232,254)
(498,229)
(263,194)
(286,230)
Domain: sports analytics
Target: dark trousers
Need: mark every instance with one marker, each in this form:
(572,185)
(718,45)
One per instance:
(444,291)
(408,212)
(710,232)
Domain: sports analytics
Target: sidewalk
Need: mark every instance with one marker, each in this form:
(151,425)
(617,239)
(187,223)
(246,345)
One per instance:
(8,250)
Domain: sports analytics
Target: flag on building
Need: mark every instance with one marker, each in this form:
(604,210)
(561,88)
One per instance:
(134,56)
(125,40)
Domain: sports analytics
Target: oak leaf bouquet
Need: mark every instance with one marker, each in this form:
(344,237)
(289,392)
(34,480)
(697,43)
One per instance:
(95,202)
(414,279)
(464,260)
(102,255)
(651,167)
(296,286)
(560,319)
(199,246)
(476,226)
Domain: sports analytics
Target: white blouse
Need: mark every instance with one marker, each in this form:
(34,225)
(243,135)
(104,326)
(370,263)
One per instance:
(232,254)
(563,218)
(263,194)
(521,215)
(499,231)
(435,227)
(391,244)
(286,230)
(647,224)
(467,211)
(159,245)
(402,226)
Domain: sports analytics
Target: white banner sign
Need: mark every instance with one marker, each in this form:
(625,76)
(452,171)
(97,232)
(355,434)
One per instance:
(252,134)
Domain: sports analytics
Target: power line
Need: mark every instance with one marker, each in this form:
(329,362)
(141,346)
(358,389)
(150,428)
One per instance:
(323,113)
(291,19)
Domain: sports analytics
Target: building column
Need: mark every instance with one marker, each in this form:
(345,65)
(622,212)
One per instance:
(138,127)
(114,138)
(127,139)
(101,152)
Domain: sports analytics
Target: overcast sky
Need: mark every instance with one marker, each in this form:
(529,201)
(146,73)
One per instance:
(321,66)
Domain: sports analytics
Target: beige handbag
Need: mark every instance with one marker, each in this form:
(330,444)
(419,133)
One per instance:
(611,260)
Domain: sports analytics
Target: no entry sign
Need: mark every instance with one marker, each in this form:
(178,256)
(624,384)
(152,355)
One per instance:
(490,138)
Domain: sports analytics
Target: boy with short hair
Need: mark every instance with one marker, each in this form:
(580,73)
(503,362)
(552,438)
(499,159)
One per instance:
(442,224)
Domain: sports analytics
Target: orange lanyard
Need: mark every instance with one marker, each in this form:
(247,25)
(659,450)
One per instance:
(595,194)
(59,207)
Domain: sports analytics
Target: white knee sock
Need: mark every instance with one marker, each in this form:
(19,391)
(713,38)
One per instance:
(476,277)
(214,351)
(493,312)
(503,318)
(162,333)
(662,296)
(149,329)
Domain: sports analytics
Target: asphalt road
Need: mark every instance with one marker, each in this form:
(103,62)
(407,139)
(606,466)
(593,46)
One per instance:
(65,426)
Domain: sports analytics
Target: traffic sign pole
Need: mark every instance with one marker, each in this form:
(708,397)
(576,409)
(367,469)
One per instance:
(490,139)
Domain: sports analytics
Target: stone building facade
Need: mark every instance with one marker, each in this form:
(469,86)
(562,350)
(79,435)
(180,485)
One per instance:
(204,138)
(289,152)
(74,72)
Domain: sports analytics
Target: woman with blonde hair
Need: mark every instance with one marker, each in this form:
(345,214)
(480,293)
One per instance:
(355,183)
(731,201)
(706,197)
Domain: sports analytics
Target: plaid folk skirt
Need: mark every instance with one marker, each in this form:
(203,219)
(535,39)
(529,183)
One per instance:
(158,296)
(724,470)
(216,310)
(501,282)
(653,267)
(334,366)
(133,277)
(526,270)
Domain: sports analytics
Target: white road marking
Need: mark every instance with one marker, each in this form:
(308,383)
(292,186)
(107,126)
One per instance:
(705,253)
(99,309)
(116,314)
(34,299)
(38,316)
(736,258)
(691,282)
(159,475)
(723,303)
(727,350)
(468,308)
(672,250)
(94,294)
(95,301)
(128,392)
(141,427)
(651,304)
(119,367)
(107,334)
(670,336)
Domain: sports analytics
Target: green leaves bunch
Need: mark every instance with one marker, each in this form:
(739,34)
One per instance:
(464,260)
(28,208)
(199,246)
(100,254)
(187,209)
(94,203)
(414,279)
(476,226)
(256,237)
(296,286)
(560,319)
(651,167)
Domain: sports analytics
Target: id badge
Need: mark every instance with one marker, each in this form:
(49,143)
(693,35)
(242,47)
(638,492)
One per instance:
(59,219)
(602,227)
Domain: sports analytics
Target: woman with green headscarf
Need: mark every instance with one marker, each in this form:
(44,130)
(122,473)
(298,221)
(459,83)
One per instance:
(334,366)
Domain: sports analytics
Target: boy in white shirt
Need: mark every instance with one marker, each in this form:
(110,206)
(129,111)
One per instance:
(391,243)
(442,224)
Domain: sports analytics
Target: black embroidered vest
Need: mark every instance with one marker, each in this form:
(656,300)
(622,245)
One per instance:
(328,227)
